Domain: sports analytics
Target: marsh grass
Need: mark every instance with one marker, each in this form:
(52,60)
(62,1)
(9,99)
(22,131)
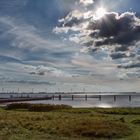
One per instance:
(96,128)
(68,124)
(36,107)
(119,111)
(18,106)
(137,121)
(47,107)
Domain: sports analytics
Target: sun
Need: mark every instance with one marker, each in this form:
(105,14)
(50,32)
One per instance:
(100,12)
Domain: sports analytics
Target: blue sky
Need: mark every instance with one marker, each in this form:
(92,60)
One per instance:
(49,43)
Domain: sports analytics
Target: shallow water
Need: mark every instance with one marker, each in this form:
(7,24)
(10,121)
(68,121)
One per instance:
(106,102)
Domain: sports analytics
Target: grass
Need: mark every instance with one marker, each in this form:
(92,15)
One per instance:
(17,122)
(119,111)
(18,106)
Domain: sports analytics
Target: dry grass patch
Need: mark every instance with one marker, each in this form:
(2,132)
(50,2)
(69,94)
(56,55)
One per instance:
(96,128)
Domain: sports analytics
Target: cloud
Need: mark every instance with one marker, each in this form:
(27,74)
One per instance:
(121,29)
(5,59)
(113,28)
(115,33)
(118,55)
(131,64)
(32,74)
(22,35)
(46,71)
(30,53)
(32,82)
(25,42)
(134,74)
(86,2)
(26,54)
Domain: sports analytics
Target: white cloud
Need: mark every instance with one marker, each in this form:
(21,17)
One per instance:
(25,36)
(86,2)
(117,34)
(45,70)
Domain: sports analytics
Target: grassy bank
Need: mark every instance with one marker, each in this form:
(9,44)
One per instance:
(48,122)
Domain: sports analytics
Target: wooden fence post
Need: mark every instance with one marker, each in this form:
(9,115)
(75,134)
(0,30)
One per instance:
(59,97)
(72,97)
(114,98)
(100,98)
(86,97)
(130,98)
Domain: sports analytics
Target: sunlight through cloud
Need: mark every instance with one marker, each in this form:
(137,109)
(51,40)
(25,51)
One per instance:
(100,12)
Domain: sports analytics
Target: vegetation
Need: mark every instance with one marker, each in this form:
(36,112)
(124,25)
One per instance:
(120,111)
(18,106)
(43,107)
(36,107)
(137,121)
(60,122)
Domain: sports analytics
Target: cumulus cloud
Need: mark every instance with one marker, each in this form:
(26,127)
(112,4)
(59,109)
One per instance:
(131,64)
(134,74)
(116,33)
(86,2)
(118,55)
(45,70)
(111,29)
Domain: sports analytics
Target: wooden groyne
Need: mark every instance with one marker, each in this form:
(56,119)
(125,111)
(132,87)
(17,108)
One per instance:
(89,96)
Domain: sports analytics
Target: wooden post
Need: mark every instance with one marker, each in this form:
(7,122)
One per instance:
(86,97)
(72,97)
(53,97)
(59,97)
(130,98)
(100,98)
(114,98)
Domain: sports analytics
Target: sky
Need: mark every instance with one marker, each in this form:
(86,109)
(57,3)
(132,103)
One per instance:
(69,45)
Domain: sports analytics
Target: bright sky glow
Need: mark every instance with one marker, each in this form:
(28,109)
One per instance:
(100,12)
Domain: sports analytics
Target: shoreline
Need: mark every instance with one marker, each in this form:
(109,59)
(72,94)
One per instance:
(76,100)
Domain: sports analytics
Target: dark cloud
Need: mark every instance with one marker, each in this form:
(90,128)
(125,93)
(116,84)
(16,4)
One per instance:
(130,65)
(123,29)
(118,55)
(118,33)
(41,73)
(113,28)
(112,24)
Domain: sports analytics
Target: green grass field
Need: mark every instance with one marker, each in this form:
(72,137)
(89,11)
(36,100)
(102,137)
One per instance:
(66,123)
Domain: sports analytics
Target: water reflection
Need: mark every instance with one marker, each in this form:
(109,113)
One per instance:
(104,105)
(106,102)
